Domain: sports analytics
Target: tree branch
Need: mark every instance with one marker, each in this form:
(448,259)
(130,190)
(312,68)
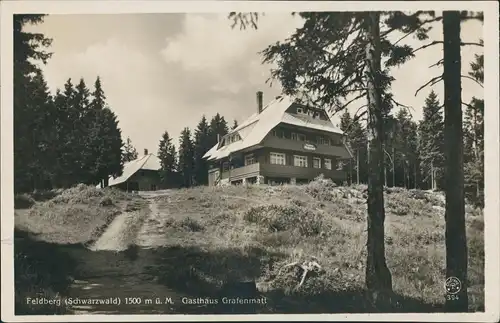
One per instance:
(427,45)
(473,79)
(433,81)
(472,44)
(408,108)
(411,32)
(440,62)
(348,102)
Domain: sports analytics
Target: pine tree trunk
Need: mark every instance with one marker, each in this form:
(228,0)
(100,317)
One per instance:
(378,276)
(385,170)
(456,242)
(350,172)
(393,168)
(357,166)
(433,181)
(415,175)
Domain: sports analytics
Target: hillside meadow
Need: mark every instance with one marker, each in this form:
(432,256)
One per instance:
(266,233)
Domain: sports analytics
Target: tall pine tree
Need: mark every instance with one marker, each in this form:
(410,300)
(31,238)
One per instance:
(201,146)
(168,160)
(431,143)
(29,107)
(105,138)
(218,128)
(474,139)
(186,158)
(357,142)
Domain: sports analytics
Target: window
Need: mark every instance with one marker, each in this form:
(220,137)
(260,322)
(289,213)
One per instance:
(340,165)
(278,133)
(316,162)
(328,163)
(323,141)
(250,159)
(277,159)
(301,137)
(300,110)
(294,136)
(300,161)
(225,166)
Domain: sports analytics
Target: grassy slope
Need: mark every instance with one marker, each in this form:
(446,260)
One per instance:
(280,225)
(74,216)
(232,233)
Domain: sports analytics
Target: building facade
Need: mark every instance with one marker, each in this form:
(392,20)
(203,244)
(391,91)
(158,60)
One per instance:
(284,142)
(142,174)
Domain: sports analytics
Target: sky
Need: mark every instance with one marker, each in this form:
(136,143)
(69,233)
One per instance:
(163,72)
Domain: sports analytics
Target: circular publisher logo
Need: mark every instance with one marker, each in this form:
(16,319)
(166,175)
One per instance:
(452,285)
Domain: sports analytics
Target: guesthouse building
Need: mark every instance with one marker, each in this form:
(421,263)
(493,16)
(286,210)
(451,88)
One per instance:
(282,142)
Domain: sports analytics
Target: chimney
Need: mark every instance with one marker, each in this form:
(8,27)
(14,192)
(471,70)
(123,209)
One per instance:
(145,152)
(259,101)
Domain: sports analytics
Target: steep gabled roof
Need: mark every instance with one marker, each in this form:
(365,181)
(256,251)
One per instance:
(253,130)
(147,162)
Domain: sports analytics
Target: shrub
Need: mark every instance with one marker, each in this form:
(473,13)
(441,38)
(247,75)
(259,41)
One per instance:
(191,224)
(278,218)
(23,201)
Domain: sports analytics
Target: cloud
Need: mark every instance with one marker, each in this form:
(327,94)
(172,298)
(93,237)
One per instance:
(229,57)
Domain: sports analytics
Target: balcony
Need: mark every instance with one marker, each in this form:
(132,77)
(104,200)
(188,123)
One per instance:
(286,171)
(242,172)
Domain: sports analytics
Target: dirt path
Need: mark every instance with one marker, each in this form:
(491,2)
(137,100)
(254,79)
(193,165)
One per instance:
(118,264)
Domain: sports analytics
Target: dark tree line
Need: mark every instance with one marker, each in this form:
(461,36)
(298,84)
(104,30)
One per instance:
(186,167)
(414,151)
(60,139)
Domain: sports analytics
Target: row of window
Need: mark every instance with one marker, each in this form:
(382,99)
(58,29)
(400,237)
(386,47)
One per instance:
(232,138)
(320,140)
(280,159)
(311,113)
(300,161)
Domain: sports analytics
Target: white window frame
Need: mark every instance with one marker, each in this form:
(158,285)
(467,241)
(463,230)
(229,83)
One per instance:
(327,163)
(300,111)
(294,136)
(300,161)
(318,159)
(250,159)
(323,140)
(277,158)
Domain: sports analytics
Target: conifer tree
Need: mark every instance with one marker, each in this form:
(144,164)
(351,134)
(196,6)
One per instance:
(356,139)
(201,146)
(431,142)
(186,157)
(168,159)
(105,138)
(235,124)
(28,47)
(474,139)
(218,128)
(129,152)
